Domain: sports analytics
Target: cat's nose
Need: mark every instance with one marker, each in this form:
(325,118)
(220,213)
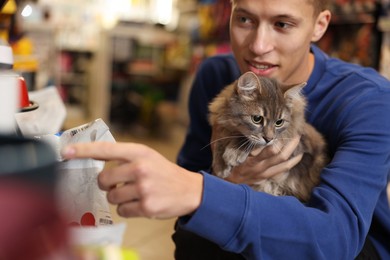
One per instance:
(267,139)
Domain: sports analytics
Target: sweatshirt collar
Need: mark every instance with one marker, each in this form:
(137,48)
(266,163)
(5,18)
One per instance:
(319,67)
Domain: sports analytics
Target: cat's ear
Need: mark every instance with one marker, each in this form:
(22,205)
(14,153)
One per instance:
(294,95)
(247,84)
(294,91)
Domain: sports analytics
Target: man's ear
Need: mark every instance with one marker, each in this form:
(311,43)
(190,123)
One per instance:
(321,25)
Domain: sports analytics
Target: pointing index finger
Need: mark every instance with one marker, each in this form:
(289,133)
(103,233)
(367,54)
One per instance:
(105,151)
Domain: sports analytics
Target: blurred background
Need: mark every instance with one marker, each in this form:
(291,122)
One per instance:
(131,63)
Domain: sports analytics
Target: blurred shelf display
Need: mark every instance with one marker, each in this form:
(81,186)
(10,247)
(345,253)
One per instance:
(69,68)
(65,37)
(384,27)
(146,64)
(44,50)
(118,59)
(75,71)
(352,34)
(74,42)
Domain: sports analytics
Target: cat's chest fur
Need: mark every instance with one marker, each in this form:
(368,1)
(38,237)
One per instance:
(254,112)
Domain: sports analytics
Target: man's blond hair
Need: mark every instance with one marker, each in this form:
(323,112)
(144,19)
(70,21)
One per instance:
(318,5)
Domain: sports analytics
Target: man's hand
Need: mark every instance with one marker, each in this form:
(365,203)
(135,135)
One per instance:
(143,183)
(267,163)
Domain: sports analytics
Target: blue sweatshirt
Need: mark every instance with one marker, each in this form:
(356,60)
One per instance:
(350,106)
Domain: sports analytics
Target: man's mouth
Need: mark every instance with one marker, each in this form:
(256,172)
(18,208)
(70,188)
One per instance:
(261,66)
(262,69)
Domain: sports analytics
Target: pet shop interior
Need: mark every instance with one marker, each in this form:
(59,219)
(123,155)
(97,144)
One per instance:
(115,70)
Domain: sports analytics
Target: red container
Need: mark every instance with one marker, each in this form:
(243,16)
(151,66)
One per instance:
(24,101)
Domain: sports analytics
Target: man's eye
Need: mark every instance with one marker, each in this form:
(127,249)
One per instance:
(282,25)
(243,19)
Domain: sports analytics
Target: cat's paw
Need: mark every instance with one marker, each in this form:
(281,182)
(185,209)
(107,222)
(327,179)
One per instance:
(233,157)
(241,157)
(225,172)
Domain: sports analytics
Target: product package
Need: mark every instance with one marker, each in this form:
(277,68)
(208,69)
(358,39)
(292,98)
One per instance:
(84,206)
(79,197)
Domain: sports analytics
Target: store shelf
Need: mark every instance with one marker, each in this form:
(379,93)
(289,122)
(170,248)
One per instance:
(139,74)
(384,24)
(348,19)
(352,34)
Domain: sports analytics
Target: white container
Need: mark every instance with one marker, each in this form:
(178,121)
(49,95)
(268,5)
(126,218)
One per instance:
(9,91)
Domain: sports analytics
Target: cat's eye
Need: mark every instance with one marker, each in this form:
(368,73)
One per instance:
(279,123)
(257,119)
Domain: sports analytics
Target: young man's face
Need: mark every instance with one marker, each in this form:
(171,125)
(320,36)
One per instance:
(272,37)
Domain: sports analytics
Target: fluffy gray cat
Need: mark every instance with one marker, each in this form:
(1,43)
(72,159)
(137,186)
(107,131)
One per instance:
(253,112)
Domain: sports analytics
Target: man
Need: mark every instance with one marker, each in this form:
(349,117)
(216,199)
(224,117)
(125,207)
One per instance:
(348,215)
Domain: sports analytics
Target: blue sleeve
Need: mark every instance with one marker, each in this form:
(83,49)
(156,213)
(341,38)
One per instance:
(213,74)
(335,222)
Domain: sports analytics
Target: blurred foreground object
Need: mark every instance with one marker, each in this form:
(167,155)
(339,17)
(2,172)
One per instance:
(31,226)
(102,242)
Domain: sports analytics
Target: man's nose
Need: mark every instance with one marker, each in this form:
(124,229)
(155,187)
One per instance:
(261,41)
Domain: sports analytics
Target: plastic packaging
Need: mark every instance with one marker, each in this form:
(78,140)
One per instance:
(79,197)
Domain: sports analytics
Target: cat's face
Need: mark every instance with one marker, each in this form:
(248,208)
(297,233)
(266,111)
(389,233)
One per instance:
(262,111)
(261,121)
(264,125)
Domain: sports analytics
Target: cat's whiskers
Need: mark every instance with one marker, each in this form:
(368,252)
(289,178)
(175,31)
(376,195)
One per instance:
(248,146)
(220,139)
(244,144)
